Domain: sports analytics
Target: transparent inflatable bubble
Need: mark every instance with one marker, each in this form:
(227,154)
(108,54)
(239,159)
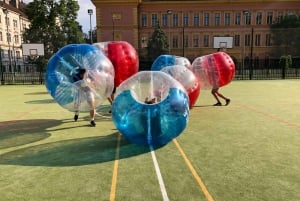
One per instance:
(214,70)
(123,56)
(188,80)
(150,108)
(169,60)
(67,89)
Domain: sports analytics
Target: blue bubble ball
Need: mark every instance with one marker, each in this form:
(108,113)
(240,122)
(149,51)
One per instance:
(150,108)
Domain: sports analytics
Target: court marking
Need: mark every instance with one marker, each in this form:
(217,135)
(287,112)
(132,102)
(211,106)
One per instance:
(269,116)
(159,176)
(113,188)
(194,172)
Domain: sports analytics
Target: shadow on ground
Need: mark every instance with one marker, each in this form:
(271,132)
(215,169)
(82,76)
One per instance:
(75,152)
(16,133)
(44,101)
(72,152)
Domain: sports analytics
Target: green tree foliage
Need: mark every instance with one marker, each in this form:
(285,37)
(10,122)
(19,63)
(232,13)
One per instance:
(286,36)
(53,23)
(157,44)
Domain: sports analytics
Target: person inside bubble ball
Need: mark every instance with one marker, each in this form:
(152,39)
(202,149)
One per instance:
(111,98)
(215,90)
(150,100)
(82,79)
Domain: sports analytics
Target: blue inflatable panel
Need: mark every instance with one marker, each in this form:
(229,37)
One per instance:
(151,124)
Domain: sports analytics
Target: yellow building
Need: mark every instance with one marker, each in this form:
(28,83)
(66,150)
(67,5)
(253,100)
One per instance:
(195,27)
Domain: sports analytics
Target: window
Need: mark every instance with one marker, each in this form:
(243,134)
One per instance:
(237,20)
(7,21)
(144,41)
(196,19)
(165,20)
(175,20)
(217,19)
(258,18)
(195,41)
(248,18)
(16,39)
(186,41)
(206,19)
(257,40)
(144,21)
(1,36)
(280,17)
(206,40)
(185,19)
(154,20)
(247,39)
(269,17)
(18,54)
(8,37)
(268,39)
(15,23)
(175,42)
(227,18)
(237,40)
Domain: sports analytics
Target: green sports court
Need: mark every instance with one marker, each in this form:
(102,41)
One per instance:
(246,151)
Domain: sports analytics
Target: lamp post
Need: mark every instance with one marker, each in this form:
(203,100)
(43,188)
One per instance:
(2,77)
(245,14)
(169,12)
(5,11)
(90,12)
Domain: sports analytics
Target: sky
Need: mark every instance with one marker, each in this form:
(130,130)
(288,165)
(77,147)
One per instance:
(83,17)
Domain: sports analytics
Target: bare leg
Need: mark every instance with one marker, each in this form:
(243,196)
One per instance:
(214,92)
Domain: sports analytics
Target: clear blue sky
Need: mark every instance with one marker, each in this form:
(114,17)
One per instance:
(83,16)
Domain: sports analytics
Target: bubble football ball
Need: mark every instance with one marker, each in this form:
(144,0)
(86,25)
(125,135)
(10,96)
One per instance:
(214,70)
(169,60)
(123,57)
(188,80)
(154,123)
(64,66)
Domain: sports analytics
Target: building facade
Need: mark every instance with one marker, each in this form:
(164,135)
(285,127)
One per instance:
(196,28)
(13,23)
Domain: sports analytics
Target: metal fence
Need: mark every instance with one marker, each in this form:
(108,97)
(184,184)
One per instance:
(8,78)
(22,78)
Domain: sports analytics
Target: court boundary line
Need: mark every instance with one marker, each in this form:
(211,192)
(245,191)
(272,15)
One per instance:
(193,171)
(113,188)
(269,116)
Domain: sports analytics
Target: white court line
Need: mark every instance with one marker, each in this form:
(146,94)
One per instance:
(159,177)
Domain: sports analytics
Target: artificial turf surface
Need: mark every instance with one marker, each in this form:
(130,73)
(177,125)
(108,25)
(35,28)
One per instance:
(247,151)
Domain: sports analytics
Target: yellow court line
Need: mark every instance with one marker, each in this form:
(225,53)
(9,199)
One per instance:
(194,172)
(113,188)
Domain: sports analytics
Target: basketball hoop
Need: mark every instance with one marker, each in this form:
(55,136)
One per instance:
(223,46)
(33,56)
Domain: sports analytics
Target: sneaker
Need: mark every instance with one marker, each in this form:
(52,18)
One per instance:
(75,117)
(218,104)
(93,124)
(227,102)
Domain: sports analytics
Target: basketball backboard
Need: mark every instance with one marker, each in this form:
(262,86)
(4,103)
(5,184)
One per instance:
(223,42)
(33,49)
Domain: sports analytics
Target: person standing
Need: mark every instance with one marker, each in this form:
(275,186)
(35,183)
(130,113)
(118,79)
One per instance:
(215,86)
(83,82)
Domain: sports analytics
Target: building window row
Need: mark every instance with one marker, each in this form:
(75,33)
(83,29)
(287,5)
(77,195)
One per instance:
(213,19)
(207,41)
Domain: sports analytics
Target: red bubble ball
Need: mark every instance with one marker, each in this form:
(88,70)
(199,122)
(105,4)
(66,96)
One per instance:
(124,58)
(214,70)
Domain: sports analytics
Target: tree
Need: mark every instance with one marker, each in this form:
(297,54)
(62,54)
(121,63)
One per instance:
(157,44)
(53,23)
(286,36)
